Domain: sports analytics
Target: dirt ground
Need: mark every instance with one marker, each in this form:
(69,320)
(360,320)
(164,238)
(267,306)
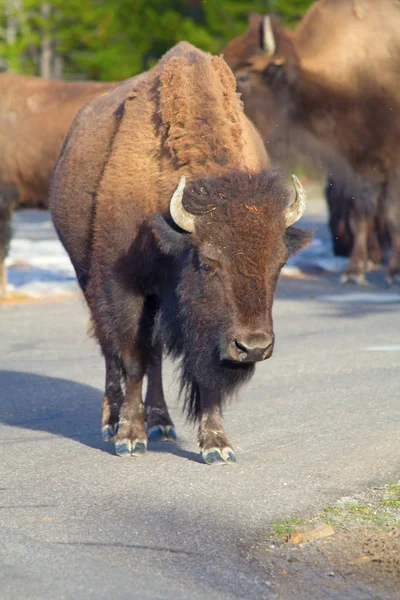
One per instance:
(360,561)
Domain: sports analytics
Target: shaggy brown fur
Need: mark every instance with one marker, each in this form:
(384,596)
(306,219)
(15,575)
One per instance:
(335,86)
(148,284)
(183,117)
(35,115)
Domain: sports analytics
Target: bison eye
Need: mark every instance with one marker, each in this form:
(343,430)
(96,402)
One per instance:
(205,266)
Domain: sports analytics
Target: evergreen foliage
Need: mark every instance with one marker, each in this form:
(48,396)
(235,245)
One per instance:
(115,39)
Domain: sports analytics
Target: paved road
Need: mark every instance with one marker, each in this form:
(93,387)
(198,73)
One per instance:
(321,419)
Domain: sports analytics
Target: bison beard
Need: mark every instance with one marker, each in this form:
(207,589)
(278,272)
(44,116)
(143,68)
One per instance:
(182,339)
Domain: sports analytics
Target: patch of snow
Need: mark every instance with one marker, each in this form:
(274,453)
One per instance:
(360,297)
(290,271)
(333,264)
(319,255)
(39,267)
(394,348)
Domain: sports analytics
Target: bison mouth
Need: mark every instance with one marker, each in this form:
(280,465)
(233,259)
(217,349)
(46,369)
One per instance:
(235,365)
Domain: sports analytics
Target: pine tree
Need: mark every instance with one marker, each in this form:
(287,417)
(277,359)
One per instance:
(115,39)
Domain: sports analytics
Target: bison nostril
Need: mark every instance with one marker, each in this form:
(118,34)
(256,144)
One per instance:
(241,349)
(241,346)
(267,351)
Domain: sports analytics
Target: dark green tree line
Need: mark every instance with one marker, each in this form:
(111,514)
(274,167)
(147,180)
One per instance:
(114,39)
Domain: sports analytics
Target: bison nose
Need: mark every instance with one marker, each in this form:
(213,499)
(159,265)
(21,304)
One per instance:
(253,347)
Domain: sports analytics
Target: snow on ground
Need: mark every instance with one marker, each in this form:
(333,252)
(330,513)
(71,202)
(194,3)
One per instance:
(38,265)
(318,255)
(365,297)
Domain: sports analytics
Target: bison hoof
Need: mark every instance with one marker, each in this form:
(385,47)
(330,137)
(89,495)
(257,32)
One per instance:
(355,278)
(161,433)
(128,448)
(109,432)
(216,456)
(393,279)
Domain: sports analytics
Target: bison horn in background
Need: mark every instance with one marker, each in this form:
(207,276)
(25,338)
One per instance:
(296,210)
(268,38)
(180,216)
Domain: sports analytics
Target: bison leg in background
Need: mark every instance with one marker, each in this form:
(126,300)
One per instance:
(365,196)
(392,203)
(339,207)
(113,396)
(375,252)
(3,278)
(340,203)
(159,424)
(214,444)
(5,237)
(355,272)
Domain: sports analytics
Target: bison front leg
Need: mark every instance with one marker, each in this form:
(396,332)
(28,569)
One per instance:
(5,236)
(159,424)
(113,396)
(3,279)
(392,205)
(214,444)
(131,438)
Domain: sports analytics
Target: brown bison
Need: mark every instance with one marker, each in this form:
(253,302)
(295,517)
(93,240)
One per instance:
(35,115)
(335,82)
(177,230)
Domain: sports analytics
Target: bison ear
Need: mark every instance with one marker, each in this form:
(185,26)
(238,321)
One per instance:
(169,240)
(297,239)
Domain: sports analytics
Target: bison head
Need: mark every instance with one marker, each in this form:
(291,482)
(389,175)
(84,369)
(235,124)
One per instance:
(228,238)
(265,64)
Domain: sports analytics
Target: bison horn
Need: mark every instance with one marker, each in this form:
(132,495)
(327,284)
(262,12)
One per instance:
(180,216)
(296,210)
(268,37)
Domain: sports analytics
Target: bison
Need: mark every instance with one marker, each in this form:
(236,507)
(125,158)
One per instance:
(35,115)
(177,229)
(339,206)
(335,86)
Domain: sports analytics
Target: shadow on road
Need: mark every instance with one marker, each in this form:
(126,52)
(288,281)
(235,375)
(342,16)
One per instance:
(63,408)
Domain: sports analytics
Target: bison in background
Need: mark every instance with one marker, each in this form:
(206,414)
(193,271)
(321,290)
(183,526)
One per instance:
(35,115)
(177,230)
(340,208)
(335,84)
(261,109)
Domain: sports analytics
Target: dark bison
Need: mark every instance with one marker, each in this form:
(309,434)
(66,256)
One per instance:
(335,82)
(35,115)
(340,206)
(177,230)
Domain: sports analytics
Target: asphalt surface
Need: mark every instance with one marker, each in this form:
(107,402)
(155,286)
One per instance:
(320,419)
